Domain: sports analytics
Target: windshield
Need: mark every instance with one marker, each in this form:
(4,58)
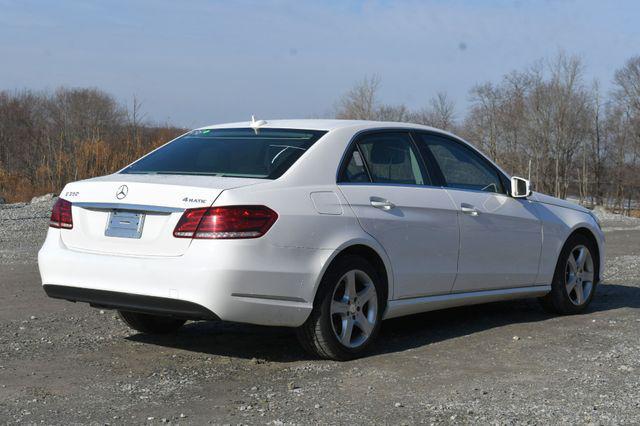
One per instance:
(265,154)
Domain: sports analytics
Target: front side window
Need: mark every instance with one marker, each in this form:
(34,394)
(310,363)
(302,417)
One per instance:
(461,167)
(265,154)
(389,157)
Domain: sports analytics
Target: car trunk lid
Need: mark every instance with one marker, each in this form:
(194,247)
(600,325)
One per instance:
(130,214)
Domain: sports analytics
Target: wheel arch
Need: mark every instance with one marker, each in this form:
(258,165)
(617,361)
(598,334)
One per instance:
(588,234)
(370,252)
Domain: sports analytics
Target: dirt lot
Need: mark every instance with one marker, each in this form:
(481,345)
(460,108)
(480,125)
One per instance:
(499,363)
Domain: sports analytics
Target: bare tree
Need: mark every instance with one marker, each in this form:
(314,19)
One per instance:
(627,81)
(392,113)
(439,113)
(483,122)
(626,97)
(597,144)
(135,118)
(360,102)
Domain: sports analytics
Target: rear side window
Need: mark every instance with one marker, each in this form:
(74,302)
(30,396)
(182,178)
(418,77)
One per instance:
(461,167)
(355,170)
(391,158)
(385,158)
(265,154)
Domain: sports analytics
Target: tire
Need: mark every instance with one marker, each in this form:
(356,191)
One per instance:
(338,309)
(151,324)
(570,275)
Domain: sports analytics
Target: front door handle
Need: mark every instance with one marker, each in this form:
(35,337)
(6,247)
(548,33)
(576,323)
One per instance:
(469,209)
(381,203)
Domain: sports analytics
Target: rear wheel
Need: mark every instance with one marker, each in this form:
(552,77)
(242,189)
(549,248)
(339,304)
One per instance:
(151,324)
(575,278)
(346,319)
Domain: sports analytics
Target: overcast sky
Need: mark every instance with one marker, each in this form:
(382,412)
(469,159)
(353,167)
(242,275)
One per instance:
(202,62)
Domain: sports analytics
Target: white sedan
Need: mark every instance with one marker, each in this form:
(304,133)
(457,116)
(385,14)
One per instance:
(327,226)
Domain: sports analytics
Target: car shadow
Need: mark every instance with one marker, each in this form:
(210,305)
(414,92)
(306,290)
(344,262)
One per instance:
(278,344)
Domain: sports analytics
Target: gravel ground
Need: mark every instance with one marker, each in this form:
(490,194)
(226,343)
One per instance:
(22,230)
(502,363)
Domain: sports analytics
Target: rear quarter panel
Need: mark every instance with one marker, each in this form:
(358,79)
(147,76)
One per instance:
(304,224)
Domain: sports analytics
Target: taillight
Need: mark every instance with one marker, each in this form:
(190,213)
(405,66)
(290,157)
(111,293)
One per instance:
(225,222)
(61,215)
(188,223)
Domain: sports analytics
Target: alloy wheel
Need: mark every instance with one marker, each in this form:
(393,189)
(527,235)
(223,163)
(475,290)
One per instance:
(354,308)
(579,275)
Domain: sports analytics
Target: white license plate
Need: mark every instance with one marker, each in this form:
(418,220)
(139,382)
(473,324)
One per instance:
(124,224)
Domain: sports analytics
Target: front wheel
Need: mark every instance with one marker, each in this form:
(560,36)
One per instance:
(151,324)
(575,278)
(348,311)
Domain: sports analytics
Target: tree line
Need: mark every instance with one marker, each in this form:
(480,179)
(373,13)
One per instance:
(545,122)
(48,139)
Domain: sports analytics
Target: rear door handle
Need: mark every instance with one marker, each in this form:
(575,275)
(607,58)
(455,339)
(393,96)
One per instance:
(381,203)
(469,209)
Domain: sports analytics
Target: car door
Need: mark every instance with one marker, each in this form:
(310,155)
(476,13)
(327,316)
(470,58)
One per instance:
(389,189)
(500,236)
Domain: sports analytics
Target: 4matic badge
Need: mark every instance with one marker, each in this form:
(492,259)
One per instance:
(193,200)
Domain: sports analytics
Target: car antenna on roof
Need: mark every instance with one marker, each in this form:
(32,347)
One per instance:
(255,125)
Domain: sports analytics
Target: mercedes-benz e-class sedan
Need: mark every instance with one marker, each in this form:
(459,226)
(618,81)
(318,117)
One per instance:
(327,226)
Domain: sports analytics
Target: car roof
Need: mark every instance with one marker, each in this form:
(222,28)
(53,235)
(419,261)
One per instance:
(336,124)
(353,125)
(322,124)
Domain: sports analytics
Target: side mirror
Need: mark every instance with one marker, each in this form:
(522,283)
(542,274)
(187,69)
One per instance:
(520,187)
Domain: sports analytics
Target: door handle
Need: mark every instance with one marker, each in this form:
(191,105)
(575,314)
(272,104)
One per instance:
(381,203)
(469,209)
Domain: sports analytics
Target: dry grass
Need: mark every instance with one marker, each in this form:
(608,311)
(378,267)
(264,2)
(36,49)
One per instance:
(83,159)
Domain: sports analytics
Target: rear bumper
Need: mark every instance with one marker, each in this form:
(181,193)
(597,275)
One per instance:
(131,302)
(248,281)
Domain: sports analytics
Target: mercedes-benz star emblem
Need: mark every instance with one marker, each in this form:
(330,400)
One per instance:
(122,192)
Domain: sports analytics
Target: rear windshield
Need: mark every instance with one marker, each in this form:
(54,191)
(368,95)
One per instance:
(265,154)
